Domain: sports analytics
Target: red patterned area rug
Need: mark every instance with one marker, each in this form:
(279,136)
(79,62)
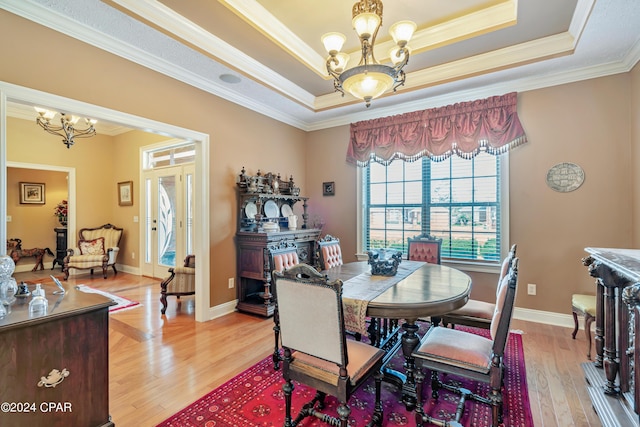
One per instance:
(255,398)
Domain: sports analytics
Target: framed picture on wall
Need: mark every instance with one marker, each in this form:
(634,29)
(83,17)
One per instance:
(328,188)
(31,193)
(125,193)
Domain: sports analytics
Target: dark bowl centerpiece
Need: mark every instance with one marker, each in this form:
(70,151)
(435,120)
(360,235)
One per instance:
(384,261)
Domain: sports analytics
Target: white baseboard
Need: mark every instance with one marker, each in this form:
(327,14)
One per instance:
(545,317)
(222,309)
(128,269)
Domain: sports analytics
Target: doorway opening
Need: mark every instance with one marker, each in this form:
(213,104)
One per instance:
(10,93)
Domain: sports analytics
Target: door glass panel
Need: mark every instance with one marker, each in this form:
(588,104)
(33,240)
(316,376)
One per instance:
(189,213)
(166,221)
(148,221)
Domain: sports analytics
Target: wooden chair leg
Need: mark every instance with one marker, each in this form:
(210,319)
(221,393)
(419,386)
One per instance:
(588,320)
(163,301)
(575,322)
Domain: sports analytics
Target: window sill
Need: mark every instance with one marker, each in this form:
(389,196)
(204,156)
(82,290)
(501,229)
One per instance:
(478,267)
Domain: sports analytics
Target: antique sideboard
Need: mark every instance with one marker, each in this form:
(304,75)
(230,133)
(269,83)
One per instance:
(613,379)
(55,366)
(265,209)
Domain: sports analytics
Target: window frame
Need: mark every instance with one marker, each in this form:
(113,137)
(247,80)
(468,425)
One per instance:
(476,266)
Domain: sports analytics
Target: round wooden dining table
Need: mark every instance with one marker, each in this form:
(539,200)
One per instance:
(430,291)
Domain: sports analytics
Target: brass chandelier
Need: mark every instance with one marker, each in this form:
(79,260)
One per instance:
(67,129)
(369,79)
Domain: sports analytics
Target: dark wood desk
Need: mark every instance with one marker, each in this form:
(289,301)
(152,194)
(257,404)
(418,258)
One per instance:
(431,290)
(72,336)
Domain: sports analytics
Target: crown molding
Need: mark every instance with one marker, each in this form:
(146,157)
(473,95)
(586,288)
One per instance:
(177,25)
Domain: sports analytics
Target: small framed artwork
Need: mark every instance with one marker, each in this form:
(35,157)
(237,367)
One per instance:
(328,188)
(125,193)
(31,193)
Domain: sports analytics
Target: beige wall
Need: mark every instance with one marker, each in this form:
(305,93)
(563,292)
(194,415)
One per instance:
(634,124)
(587,123)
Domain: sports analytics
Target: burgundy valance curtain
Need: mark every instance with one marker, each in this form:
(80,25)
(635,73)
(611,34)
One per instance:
(465,129)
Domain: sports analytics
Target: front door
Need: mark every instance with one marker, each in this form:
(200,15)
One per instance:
(168,218)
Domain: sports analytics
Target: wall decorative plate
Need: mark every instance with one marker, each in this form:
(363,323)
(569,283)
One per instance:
(565,177)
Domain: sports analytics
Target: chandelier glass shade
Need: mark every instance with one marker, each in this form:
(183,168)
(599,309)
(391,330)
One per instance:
(369,79)
(67,129)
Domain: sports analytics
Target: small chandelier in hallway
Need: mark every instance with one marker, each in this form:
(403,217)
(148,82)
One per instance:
(67,129)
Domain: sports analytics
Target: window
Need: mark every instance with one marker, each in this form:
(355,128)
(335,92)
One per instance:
(169,156)
(458,200)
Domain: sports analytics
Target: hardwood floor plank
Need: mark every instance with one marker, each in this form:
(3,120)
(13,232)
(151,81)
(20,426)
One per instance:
(160,364)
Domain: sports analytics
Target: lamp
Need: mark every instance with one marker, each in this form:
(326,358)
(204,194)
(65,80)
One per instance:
(369,79)
(67,130)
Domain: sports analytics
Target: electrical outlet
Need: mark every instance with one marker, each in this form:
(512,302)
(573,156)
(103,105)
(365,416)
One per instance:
(531,289)
(133,255)
(9,218)
(231,283)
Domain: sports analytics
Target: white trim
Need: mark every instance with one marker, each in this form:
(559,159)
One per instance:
(544,317)
(222,309)
(17,93)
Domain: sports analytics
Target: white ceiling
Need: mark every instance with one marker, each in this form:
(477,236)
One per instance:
(463,50)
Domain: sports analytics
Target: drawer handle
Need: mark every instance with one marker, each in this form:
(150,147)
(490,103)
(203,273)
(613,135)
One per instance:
(54,378)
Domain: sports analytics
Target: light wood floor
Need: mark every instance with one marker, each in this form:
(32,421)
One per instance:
(160,364)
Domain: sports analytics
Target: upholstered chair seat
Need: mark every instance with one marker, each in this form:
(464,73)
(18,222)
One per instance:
(458,348)
(97,248)
(181,282)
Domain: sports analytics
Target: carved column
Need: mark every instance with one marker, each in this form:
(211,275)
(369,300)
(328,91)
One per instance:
(631,297)
(610,315)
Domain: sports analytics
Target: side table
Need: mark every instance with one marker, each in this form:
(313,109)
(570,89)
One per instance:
(61,246)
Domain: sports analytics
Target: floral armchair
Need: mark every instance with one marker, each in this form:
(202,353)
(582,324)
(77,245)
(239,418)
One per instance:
(97,248)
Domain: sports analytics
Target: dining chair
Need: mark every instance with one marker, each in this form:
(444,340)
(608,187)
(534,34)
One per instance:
(180,282)
(427,248)
(329,252)
(282,255)
(465,354)
(317,352)
(479,313)
(424,247)
(329,256)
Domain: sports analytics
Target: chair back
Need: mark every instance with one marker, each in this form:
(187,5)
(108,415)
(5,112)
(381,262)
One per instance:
(503,312)
(506,266)
(310,311)
(424,247)
(330,252)
(283,255)
(109,232)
